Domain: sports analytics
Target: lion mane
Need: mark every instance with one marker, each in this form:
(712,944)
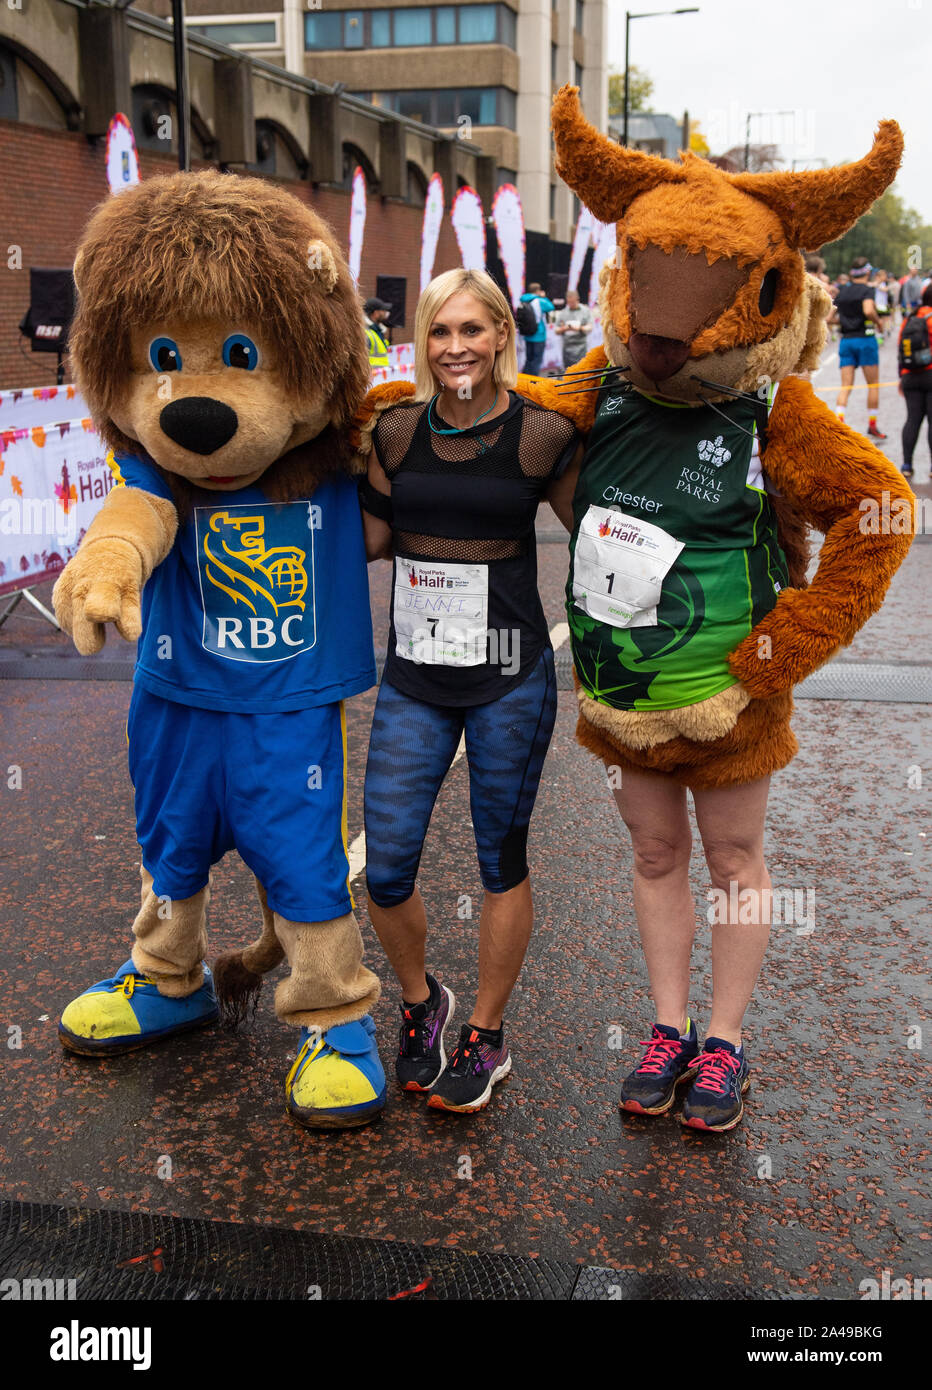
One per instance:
(186,246)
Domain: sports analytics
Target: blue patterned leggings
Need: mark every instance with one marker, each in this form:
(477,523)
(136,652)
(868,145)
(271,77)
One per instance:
(411,747)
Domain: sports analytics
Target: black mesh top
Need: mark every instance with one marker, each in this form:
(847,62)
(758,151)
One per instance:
(469,499)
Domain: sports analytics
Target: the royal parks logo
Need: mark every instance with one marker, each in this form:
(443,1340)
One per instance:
(256,571)
(713,451)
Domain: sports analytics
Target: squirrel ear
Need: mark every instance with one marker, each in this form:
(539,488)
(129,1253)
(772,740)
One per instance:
(820,205)
(605,175)
(320,260)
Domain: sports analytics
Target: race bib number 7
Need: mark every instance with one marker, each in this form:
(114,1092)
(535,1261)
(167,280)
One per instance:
(619,566)
(441,612)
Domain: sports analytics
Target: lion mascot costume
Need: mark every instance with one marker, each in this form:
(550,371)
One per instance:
(220,344)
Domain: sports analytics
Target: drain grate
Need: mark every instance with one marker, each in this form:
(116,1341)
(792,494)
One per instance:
(134,1255)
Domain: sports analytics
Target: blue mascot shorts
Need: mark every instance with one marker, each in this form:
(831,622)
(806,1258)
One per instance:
(270,786)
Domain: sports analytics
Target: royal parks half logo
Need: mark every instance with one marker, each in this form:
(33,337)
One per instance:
(256,572)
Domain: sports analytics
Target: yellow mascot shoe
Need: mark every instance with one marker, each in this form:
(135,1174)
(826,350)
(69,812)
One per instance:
(127,1012)
(337,1081)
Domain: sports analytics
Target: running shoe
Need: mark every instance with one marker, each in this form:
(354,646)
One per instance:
(421,1056)
(907,472)
(127,1012)
(475,1067)
(714,1101)
(337,1081)
(650,1088)
(875,433)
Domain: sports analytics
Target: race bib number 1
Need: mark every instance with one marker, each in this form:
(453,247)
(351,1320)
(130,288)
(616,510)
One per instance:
(619,566)
(441,612)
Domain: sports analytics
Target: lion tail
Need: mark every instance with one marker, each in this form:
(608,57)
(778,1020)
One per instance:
(238,974)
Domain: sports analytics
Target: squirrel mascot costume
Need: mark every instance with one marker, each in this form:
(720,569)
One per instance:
(220,344)
(686,660)
(687,600)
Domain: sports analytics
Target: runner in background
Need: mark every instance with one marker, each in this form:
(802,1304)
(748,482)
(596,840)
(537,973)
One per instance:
(916,385)
(859,324)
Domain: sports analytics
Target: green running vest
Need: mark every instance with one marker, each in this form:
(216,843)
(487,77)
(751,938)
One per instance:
(696,475)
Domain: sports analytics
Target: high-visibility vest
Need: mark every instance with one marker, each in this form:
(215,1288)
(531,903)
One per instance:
(378,351)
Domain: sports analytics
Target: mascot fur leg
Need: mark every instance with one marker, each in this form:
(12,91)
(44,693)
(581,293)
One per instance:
(337,1081)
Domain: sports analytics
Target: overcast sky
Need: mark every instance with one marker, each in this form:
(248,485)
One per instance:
(838,66)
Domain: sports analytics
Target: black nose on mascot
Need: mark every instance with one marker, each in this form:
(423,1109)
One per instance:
(199,423)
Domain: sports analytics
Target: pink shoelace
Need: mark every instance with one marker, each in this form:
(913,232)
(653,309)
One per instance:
(660,1051)
(716,1066)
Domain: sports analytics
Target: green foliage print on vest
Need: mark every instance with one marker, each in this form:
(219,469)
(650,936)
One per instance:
(595,660)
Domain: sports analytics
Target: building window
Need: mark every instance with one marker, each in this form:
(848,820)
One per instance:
(444,110)
(412,27)
(251,33)
(505,176)
(553,62)
(446,24)
(553,202)
(477,23)
(9,109)
(444,107)
(577,74)
(579,16)
(417,105)
(352,29)
(405,27)
(322,30)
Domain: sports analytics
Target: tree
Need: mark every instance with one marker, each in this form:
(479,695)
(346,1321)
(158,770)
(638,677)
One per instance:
(640,89)
(697,141)
(761,158)
(884,235)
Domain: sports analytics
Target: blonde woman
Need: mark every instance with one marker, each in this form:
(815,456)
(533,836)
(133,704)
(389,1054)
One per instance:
(455,479)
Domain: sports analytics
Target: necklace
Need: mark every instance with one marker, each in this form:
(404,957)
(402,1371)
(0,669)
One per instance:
(483,448)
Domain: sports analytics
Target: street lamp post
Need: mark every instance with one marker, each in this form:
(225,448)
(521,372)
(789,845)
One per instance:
(182,92)
(650,14)
(747,130)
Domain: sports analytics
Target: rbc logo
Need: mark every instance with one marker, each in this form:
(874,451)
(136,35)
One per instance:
(256,571)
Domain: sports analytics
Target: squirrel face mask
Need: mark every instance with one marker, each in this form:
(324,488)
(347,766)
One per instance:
(707,284)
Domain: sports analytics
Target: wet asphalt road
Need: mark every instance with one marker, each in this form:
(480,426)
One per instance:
(824,1184)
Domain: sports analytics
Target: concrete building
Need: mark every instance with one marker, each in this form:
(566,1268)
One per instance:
(67,66)
(483,71)
(653,133)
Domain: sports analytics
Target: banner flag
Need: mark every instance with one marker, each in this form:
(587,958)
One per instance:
(604,247)
(588,228)
(357,225)
(469,225)
(430,228)
(508,217)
